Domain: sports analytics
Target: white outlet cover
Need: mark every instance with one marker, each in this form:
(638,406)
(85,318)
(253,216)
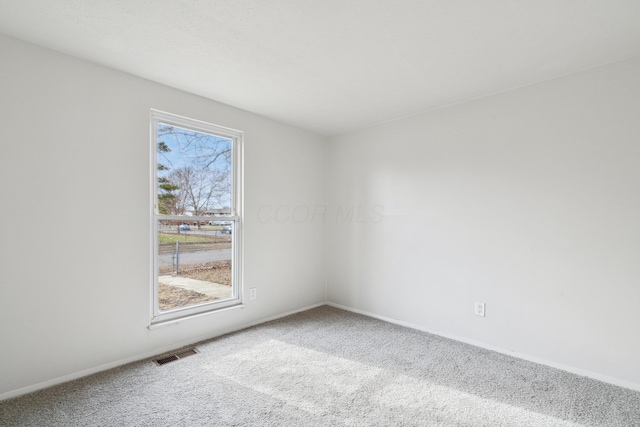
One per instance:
(479,309)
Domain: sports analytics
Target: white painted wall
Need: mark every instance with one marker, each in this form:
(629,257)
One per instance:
(528,200)
(74,254)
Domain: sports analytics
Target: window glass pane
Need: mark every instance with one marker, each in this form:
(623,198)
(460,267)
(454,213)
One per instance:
(194,263)
(194,172)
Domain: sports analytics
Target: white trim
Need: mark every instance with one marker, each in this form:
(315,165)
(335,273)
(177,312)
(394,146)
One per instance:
(146,355)
(572,369)
(198,125)
(188,312)
(158,317)
(182,318)
(165,349)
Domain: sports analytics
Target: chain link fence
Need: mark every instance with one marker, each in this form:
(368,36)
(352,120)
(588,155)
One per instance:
(198,248)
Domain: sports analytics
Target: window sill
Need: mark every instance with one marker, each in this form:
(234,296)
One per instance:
(160,323)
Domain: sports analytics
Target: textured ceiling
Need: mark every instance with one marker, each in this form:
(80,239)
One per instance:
(334,66)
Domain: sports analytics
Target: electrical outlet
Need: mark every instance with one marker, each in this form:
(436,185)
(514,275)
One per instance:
(479,309)
(253,293)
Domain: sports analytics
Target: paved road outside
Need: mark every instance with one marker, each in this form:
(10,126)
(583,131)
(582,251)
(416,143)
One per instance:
(195,257)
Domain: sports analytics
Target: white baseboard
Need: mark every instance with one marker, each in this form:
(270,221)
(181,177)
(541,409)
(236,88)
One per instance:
(147,355)
(578,371)
(143,356)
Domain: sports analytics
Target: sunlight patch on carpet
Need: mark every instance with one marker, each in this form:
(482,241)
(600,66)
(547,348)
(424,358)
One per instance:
(457,407)
(311,380)
(321,383)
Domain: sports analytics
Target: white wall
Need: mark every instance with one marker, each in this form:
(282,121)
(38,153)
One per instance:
(528,200)
(74,254)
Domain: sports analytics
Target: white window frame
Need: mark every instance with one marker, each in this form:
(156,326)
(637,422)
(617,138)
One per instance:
(235,216)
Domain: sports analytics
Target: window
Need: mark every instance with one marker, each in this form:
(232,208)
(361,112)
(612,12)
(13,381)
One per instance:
(196,217)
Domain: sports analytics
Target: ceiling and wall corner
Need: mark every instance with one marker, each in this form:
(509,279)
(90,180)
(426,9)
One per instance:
(335,66)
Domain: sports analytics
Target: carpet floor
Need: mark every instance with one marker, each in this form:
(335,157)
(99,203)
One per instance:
(329,367)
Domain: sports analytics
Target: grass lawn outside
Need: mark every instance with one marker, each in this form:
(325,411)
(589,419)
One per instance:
(171,238)
(166,242)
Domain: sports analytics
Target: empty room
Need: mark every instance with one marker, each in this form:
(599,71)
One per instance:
(318,213)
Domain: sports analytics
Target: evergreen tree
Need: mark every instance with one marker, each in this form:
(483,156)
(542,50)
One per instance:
(166,196)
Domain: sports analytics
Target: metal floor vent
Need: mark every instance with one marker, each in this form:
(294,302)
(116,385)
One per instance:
(175,356)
